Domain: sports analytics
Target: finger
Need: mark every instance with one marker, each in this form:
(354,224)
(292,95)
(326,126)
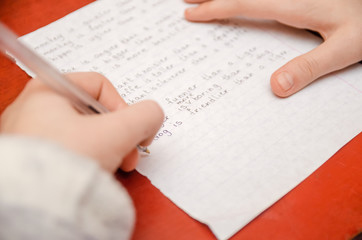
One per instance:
(219,9)
(98,87)
(212,10)
(334,54)
(95,84)
(119,132)
(131,126)
(142,120)
(128,127)
(196,1)
(130,161)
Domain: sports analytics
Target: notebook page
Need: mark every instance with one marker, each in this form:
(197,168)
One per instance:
(228,148)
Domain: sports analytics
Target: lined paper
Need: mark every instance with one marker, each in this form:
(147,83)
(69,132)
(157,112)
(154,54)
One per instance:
(228,147)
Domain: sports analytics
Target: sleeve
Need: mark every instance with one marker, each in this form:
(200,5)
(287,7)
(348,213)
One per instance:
(48,192)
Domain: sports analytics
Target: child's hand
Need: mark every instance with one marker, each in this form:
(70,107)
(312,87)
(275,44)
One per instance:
(110,138)
(339,22)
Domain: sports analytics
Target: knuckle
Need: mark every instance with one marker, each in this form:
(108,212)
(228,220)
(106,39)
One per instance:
(308,66)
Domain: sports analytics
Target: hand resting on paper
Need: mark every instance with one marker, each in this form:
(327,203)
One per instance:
(337,21)
(110,139)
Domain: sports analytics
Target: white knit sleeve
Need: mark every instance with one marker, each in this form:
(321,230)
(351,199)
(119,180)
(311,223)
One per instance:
(48,192)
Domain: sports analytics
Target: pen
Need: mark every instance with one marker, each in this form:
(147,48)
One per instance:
(50,75)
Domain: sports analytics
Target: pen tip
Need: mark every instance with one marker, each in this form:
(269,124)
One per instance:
(143,149)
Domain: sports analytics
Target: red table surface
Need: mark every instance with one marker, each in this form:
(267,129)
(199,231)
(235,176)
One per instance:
(327,205)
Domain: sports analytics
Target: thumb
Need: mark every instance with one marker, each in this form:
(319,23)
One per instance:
(334,54)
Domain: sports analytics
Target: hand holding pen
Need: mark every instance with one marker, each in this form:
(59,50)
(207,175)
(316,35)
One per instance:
(109,138)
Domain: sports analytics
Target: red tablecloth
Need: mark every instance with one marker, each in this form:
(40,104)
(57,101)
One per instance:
(327,205)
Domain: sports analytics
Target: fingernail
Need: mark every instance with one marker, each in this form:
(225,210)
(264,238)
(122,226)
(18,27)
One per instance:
(285,81)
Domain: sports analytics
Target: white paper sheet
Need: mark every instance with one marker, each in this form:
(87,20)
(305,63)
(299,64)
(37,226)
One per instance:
(228,148)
